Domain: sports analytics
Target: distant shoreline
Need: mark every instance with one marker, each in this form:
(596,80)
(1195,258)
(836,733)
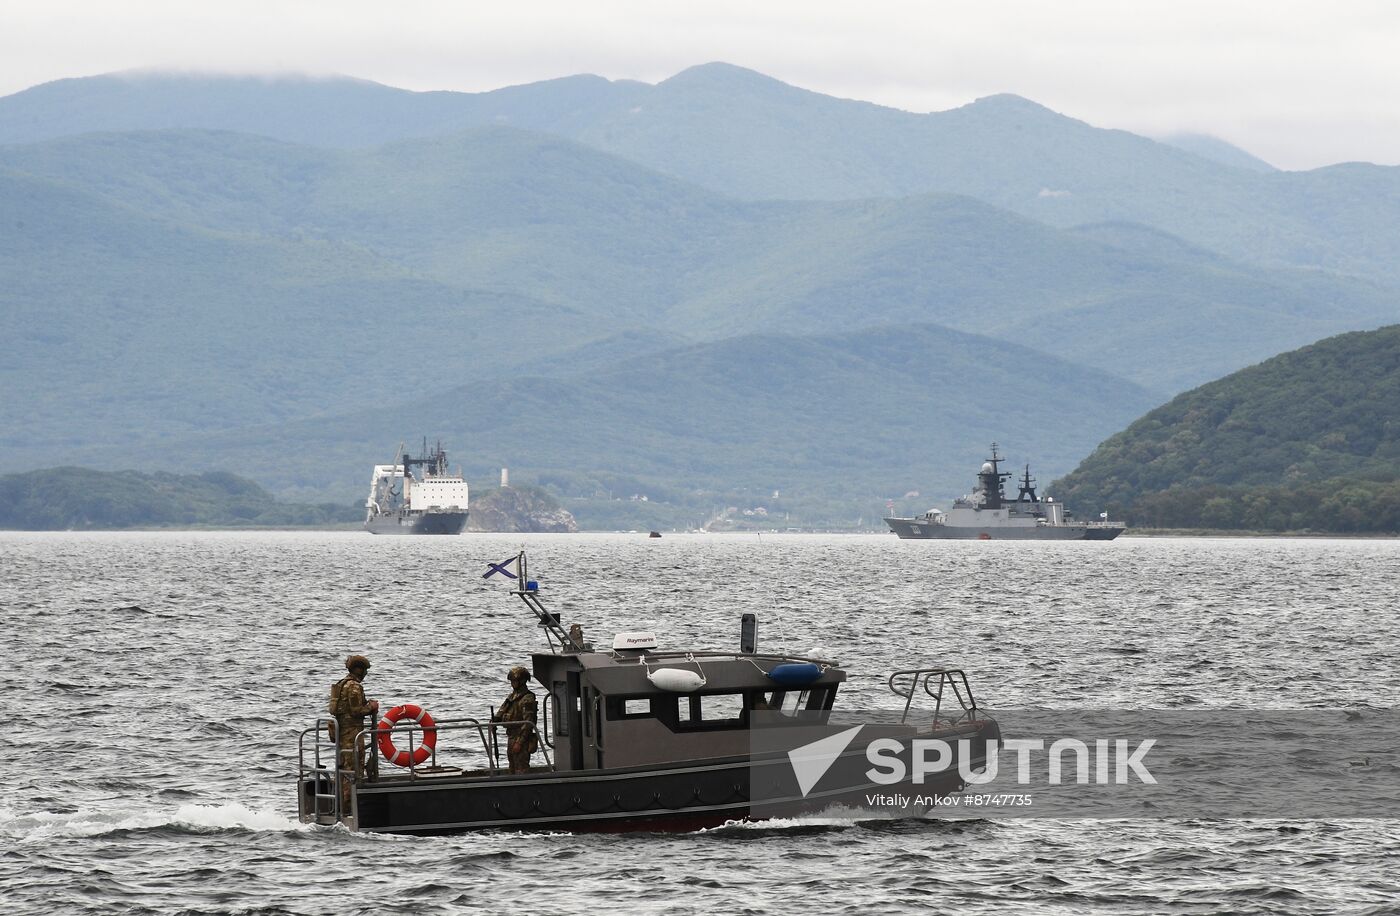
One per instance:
(1227,533)
(357,528)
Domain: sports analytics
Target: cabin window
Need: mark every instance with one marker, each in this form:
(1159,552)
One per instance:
(715,707)
(561,713)
(796,703)
(630,708)
(794,700)
(710,711)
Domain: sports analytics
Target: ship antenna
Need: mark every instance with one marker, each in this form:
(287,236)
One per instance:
(782,627)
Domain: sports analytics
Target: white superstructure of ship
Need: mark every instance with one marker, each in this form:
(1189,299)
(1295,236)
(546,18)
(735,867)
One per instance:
(433,501)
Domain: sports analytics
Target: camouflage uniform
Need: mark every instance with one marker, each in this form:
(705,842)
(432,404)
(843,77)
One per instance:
(520,706)
(349,706)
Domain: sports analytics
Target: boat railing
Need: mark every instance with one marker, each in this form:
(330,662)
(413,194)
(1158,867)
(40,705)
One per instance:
(324,778)
(653,656)
(944,685)
(409,737)
(320,764)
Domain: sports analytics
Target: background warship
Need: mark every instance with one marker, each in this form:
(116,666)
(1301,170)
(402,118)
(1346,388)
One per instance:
(986,514)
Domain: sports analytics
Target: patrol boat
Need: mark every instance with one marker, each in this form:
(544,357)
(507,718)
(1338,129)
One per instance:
(986,514)
(637,737)
(432,502)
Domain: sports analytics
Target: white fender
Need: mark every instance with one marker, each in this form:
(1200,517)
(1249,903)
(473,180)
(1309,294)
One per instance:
(677,680)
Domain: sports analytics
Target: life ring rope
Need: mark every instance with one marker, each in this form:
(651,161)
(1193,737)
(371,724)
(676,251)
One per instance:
(406,712)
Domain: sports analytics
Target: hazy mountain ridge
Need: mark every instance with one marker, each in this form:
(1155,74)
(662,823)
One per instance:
(614,244)
(826,419)
(748,135)
(1217,150)
(208,296)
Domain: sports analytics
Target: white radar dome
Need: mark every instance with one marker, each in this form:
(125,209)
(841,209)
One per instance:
(986,467)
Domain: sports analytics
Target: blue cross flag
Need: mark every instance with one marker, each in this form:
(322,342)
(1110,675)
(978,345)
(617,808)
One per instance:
(500,568)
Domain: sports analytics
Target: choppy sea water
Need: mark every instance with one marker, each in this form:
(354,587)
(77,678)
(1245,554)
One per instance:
(155,684)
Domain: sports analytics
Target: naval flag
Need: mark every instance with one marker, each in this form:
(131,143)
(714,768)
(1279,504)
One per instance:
(500,568)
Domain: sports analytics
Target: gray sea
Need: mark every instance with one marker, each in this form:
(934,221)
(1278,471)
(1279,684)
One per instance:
(155,684)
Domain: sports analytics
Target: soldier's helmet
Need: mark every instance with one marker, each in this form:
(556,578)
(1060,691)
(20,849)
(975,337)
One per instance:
(356,661)
(518,674)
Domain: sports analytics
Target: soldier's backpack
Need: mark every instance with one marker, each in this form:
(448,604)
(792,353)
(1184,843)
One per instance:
(333,707)
(336,693)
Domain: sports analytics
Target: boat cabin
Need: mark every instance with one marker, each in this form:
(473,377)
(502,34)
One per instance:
(639,704)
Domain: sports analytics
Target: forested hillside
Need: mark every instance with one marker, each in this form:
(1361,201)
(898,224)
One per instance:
(1307,440)
(78,499)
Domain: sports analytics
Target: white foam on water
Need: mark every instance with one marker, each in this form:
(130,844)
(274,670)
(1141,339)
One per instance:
(43,825)
(831,816)
(236,816)
(782,823)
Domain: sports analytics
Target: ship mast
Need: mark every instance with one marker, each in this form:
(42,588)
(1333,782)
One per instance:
(1027,486)
(991,477)
(529,592)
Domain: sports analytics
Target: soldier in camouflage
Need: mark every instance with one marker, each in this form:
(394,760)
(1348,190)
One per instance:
(520,706)
(349,707)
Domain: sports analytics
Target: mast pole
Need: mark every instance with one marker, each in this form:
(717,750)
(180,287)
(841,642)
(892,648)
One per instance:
(548,620)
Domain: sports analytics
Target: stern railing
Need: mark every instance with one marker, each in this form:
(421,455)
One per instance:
(325,780)
(328,778)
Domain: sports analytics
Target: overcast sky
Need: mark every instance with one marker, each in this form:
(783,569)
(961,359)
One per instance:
(1300,84)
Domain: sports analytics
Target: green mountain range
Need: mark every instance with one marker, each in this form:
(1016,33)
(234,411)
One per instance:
(1307,440)
(714,287)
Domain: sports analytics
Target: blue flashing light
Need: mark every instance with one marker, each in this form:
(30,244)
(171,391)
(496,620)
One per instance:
(532,586)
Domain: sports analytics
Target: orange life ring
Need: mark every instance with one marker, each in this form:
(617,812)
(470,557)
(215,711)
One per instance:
(411,713)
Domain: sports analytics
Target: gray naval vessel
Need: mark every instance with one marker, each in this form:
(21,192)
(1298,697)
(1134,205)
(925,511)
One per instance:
(433,501)
(986,514)
(633,736)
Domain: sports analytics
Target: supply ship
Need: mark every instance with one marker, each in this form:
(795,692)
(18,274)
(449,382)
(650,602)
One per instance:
(986,514)
(432,501)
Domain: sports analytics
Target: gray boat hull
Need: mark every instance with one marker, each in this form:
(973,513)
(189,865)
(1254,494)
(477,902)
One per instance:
(918,529)
(418,523)
(679,796)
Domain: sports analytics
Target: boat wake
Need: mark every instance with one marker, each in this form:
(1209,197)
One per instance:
(199,819)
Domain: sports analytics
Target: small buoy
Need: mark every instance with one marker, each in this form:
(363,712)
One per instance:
(677,680)
(794,674)
(984,536)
